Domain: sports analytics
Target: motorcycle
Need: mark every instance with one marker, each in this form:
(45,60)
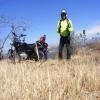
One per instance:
(36,51)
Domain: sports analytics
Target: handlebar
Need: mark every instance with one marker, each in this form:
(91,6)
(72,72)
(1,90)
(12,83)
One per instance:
(21,35)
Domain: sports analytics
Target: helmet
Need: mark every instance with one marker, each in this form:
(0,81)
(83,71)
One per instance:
(63,13)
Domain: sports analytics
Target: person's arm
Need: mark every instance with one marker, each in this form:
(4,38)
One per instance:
(58,27)
(70,26)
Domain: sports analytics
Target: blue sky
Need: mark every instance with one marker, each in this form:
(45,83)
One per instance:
(42,16)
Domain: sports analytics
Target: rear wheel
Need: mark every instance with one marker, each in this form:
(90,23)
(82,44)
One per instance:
(11,56)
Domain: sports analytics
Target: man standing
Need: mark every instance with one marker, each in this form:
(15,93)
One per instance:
(64,28)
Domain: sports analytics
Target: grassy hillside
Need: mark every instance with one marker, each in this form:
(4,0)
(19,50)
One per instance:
(78,79)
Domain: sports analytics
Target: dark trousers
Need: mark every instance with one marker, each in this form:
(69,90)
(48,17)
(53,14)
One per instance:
(66,41)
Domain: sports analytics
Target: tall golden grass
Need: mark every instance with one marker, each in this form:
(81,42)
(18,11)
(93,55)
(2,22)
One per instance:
(77,79)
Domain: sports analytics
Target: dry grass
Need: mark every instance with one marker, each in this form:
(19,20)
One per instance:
(78,79)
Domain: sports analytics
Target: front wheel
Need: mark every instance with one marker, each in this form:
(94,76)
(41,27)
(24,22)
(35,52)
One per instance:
(35,56)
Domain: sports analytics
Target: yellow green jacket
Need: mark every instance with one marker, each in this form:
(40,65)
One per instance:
(64,27)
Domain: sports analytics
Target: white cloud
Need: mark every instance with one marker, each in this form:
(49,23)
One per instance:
(93,30)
